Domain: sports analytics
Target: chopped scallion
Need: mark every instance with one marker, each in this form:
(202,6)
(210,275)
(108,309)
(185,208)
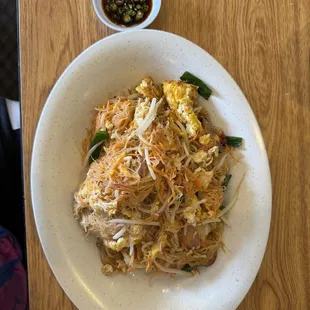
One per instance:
(100,136)
(189,268)
(226,180)
(233,141)
(203,89)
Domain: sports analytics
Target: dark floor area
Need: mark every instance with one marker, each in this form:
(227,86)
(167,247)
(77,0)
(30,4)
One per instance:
(13,280)
(12,208)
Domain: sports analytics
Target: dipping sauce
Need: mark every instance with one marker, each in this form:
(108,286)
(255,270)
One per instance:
(127,13)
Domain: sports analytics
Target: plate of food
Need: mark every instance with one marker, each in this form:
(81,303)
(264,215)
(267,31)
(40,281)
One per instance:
(150,181)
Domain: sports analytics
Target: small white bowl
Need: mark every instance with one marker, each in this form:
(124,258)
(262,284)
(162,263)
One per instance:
(103,17)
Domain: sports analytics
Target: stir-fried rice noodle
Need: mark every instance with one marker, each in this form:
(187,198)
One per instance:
(153,197)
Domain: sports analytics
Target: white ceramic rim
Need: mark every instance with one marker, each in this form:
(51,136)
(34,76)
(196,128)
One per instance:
(103,18)
(36,209)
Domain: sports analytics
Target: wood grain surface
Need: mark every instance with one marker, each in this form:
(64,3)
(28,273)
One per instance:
(265,46)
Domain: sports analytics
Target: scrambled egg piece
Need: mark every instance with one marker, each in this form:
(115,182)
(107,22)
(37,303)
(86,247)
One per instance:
(124,171)
(181,97)
(155,207)
(148,89)
(127,212)
(95,199)
(137,233)
(141,111)
(204,177)
(214,150)
(112,209)
(200,156)
(205,139)
(190,212)
(158,246)
(177,163)
(99,204)
(117,245)
(194,214)
(109,125)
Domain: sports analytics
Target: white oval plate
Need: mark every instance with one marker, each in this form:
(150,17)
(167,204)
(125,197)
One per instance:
(105,69)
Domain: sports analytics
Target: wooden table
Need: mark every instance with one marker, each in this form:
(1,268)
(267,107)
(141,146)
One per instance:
(265,46)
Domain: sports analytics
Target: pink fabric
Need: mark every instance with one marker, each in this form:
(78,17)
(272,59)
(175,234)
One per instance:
(13,283)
